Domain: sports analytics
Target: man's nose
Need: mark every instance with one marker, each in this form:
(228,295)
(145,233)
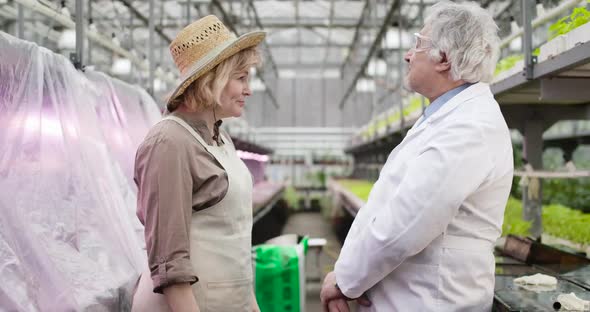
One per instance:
(408,55)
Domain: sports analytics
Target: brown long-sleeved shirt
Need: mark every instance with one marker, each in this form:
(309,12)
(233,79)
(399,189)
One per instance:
(175,176)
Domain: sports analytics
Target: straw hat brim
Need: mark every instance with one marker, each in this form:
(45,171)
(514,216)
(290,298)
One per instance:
(215,57)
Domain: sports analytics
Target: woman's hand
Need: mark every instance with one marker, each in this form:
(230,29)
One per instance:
(180,298)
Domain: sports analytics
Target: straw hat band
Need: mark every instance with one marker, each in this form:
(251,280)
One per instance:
(202,61)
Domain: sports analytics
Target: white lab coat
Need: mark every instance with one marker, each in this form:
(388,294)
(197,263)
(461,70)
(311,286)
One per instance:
(424,239)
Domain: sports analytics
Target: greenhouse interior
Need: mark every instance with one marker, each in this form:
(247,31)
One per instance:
(331,180)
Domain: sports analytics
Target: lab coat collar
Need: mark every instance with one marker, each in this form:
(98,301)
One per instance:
(465,95)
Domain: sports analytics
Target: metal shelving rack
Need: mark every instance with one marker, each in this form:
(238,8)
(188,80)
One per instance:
(538,97)
(531,101)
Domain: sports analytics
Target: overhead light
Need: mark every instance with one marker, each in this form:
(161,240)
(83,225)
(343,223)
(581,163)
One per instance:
(331,73)
(159,85)
(159,71)
(365,85)
(377,67)
(391,40)
(540,9)
(67,40)
(91,25)
(170,75)
(287,73)
(116,40)
(514,26)
(121,66)
(64,9)
(516,44)
(257,85)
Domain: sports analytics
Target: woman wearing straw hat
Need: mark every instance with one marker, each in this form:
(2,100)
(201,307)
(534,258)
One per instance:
(195,194)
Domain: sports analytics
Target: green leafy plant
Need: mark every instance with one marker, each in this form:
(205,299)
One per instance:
(558,220)
(360,188)
(577,18)
(513,222)
(507,63)
(291,197)
(511,60)
(564,222)
(381,123)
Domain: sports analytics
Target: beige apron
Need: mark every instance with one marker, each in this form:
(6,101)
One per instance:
(220,243)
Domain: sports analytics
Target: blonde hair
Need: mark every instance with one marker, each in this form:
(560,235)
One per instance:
(206,90)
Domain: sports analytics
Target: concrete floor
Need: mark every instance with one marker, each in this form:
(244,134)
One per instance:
(314,225)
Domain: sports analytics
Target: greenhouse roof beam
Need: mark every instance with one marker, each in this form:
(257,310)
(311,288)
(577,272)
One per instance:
(386,22)
(310,45)
(270,59)
(315,65)
(268,24)
(329,39)
(355,38)
(228,22)
(145,20)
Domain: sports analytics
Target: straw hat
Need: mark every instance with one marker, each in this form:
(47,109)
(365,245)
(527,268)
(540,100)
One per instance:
(202,45)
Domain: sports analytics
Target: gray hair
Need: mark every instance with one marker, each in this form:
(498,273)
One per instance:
(468,36)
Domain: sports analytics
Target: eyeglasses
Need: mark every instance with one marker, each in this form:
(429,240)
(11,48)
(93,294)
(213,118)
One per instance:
(419,45)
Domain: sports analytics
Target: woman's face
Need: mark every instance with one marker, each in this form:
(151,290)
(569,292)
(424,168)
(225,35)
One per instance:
(233,96)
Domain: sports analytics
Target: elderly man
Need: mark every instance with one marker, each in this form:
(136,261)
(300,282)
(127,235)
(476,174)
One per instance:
(424,239)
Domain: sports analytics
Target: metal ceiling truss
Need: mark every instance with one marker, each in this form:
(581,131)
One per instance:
(376,43)
(230,24)
(145,19)
(355,38)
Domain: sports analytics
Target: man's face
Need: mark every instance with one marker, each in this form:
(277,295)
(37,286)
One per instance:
(420,66)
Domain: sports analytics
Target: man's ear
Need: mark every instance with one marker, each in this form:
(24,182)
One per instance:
(443,65)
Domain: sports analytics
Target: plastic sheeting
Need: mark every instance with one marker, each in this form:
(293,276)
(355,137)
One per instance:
(69,237)
(125,115)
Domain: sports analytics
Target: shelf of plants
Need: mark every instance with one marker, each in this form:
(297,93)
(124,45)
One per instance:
(558,220)
(565,54)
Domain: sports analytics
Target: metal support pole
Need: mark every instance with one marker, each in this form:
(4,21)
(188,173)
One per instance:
(162,43)
(188,12)
(324,101)
(77,58)
(386,21)
(528,7)
(421,12)
(89,54)
(400,69)
(422,102)
(20,30)
(151,29)
(532,193)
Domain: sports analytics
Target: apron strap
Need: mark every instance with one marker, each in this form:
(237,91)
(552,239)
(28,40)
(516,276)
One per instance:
(190,130)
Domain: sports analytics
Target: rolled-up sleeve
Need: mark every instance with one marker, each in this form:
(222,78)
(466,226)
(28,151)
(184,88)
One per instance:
(164,207)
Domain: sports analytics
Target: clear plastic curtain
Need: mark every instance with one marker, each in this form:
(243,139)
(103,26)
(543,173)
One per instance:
(69,238)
